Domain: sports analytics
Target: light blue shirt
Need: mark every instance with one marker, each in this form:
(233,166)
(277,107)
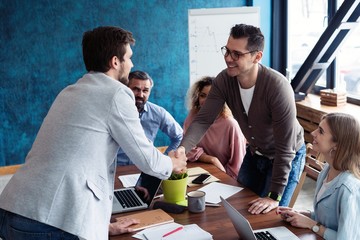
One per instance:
(152,119)
(339,206)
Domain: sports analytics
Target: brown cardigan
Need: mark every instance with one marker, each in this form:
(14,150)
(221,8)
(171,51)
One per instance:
(270,127)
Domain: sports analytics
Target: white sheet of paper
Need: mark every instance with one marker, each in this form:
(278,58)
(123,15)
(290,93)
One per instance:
(214,190)
(129,180)
(191,231)
(195,172)
(211,179)
(160,228)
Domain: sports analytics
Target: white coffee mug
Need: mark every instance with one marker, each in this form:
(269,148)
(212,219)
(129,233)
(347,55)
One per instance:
(196,201)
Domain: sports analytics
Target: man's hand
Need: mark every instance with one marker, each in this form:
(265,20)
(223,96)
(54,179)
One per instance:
(262,205)
(178,159)
(121,225)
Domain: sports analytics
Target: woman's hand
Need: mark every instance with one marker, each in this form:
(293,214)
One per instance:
(217,163)
(295,218)
(213,160)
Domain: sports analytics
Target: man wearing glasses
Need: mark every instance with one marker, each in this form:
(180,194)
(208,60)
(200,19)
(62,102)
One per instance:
(262,101)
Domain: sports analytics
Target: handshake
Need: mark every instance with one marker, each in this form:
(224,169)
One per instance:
(178,159)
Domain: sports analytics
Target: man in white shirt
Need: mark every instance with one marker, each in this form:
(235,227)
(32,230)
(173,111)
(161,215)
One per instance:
(65,188)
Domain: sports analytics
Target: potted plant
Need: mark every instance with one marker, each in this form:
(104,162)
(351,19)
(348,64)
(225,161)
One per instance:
(174,188)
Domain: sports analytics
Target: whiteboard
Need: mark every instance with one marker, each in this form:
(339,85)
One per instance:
(209,30)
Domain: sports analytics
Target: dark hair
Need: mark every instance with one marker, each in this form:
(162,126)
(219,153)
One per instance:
(141,75)
(101,44)
(253,34)
(196,90)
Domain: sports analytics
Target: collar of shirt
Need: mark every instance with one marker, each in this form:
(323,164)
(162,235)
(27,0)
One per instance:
(144,110)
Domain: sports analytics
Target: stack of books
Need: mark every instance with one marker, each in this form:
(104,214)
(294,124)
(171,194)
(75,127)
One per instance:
(332,97)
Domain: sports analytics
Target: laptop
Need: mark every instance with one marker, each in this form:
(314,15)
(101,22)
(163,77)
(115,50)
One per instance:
(245,231)
(138,197)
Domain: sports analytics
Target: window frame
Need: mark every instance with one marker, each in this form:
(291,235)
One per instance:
(280,39)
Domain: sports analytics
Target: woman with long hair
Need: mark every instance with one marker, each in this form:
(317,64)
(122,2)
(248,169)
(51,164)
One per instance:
(337,194)
(223,143)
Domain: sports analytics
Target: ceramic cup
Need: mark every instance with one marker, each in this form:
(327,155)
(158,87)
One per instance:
(196,201)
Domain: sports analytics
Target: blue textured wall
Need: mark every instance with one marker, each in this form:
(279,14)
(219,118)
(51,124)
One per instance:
(40,54)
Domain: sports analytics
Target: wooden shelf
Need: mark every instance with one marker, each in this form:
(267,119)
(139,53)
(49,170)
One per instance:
(310,111)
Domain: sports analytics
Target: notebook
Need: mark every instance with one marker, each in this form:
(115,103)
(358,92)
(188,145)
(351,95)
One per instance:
(149,219)
(138,197)
(245,231)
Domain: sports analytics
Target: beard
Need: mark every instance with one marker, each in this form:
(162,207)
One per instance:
(140,103)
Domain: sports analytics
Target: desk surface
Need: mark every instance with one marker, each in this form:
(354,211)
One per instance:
(312,102)
(214,219)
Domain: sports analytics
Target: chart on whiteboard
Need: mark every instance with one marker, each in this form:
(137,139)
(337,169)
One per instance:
(208,31)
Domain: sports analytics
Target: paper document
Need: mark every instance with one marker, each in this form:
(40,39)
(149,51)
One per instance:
(129,180)
(195,172)
(160,229)
(214,190)
(191,231)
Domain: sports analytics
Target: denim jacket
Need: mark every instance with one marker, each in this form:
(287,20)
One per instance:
(339,206)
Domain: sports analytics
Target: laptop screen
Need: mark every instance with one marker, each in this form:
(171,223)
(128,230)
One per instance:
(146,187)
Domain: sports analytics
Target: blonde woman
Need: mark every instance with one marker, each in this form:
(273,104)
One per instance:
(223,144)
(337,194)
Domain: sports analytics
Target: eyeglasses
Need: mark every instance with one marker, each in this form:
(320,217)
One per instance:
(235,55)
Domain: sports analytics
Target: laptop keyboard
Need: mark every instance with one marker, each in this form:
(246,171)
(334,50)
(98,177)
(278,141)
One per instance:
(127,198)
(264,236)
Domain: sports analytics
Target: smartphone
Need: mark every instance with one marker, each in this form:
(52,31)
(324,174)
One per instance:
(201,178)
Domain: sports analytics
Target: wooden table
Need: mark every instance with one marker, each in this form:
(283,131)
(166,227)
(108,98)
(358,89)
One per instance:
(214,219)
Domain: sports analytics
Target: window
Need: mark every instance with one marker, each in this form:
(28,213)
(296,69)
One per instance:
(348,61)
(307,20)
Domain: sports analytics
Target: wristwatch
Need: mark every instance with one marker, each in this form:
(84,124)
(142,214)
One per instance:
(274,196)
(316,228)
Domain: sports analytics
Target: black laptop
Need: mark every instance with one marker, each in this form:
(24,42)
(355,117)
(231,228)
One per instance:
(138,197)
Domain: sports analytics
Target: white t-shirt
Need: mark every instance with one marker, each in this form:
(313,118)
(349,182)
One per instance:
(246,97)
(325,186)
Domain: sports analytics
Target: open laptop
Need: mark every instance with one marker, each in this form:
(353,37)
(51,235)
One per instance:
(133,198)
(245,231)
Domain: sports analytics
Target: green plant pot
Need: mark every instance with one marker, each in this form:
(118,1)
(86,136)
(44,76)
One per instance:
(175,190)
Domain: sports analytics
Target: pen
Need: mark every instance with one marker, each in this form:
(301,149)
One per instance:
(173,231)
(212,205)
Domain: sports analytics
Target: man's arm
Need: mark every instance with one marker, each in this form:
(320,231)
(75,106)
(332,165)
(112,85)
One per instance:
(205,117)
(172,129)
(126,129)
